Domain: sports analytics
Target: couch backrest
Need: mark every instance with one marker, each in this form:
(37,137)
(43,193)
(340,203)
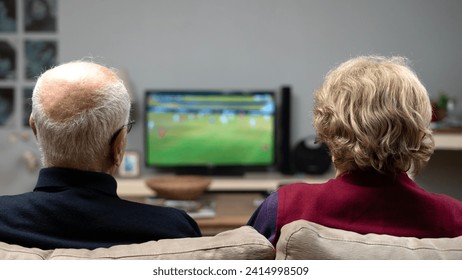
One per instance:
(238,244)
(307,240)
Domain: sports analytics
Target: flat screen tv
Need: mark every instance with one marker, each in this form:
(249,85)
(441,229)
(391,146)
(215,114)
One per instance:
(210,131)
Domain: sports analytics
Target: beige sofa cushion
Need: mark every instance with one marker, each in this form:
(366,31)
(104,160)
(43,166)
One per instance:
(307,240)
(15,252)
(241,243)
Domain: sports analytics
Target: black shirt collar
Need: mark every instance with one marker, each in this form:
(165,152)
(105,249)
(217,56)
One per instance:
(73,178)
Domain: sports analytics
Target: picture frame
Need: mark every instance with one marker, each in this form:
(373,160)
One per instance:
(8,16)
(40,56)
(40,15)
(130,165)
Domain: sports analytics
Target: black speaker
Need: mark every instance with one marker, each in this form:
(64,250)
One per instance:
(283,157)
(311,158)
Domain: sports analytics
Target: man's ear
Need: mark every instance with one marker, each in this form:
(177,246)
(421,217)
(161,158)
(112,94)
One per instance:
(32,125)
(118,148)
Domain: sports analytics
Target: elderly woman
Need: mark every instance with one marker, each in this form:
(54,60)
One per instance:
(374,115)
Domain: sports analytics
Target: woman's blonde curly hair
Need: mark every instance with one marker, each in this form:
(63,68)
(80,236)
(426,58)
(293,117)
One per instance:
(373,112)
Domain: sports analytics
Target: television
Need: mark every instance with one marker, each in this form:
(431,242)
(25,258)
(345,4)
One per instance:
(210,131)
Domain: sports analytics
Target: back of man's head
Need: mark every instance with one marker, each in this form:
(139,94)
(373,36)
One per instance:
(76,107)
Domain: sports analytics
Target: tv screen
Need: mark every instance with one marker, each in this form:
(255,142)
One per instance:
(210,128)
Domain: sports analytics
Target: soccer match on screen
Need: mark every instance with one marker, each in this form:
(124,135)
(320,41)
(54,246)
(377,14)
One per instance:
(209,128)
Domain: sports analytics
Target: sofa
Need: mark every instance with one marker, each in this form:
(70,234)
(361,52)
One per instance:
(303,240)
(299,240)
(239,244)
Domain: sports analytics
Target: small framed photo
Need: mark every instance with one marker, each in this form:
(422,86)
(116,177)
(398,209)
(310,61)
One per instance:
(130,166)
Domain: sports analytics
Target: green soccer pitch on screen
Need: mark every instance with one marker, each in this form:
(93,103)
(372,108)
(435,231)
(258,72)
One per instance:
(209,128)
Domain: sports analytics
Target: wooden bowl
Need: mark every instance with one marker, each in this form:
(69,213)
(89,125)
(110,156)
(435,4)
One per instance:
(186,187)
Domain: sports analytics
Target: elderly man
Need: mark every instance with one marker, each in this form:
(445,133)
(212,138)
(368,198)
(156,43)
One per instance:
(80,118)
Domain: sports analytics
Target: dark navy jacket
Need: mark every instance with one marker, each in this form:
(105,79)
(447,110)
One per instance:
(77,209)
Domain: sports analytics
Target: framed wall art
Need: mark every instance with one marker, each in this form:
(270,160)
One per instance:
(130,166)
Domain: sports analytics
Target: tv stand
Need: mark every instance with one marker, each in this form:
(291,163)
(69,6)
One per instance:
(251,181)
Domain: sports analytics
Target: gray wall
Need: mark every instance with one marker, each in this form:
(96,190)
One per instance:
(248,44)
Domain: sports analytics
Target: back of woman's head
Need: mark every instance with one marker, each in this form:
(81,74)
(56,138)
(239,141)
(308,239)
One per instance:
(373,112)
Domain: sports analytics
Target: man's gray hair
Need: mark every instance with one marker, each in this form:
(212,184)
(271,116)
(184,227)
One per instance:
(85,137)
